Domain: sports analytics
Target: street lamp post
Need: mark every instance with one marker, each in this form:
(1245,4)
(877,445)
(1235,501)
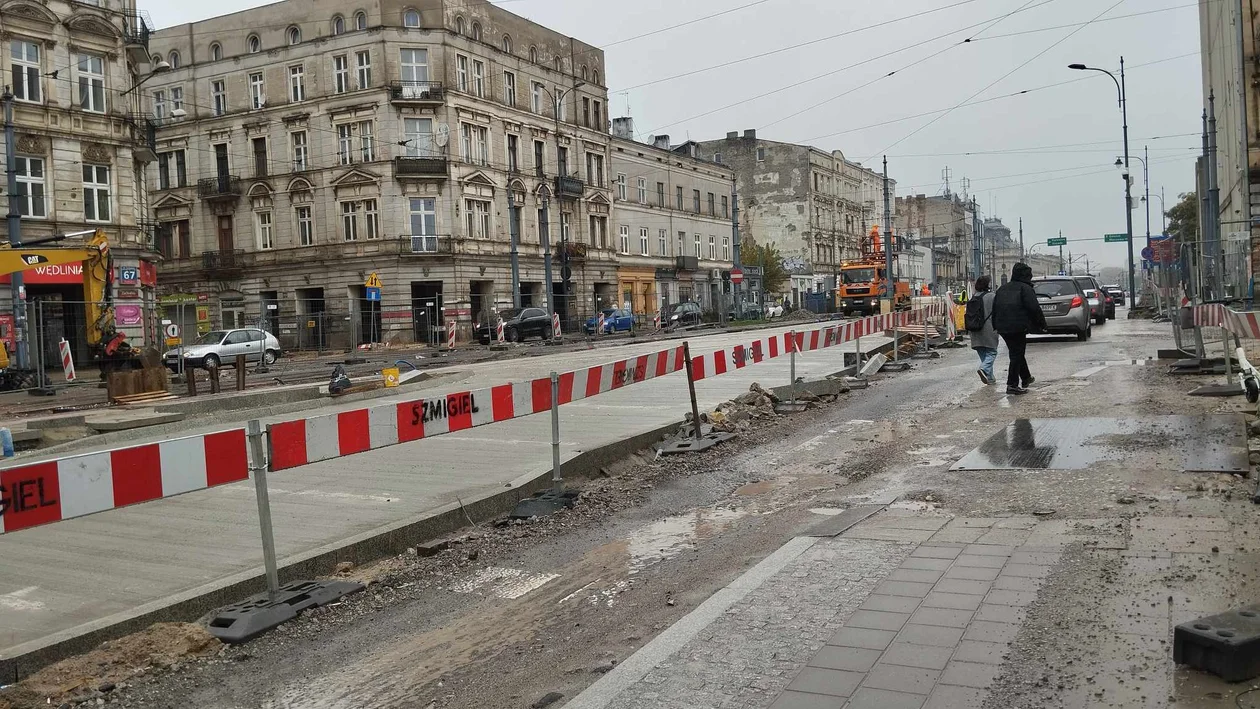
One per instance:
(1128,192)
(546,213)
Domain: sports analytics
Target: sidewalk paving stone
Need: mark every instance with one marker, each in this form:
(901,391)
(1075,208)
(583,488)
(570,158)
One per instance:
(915,680)
(803,700)
(877,620)
(894,604)
(970,674)
(954,601)
(883,699)
(925,656)
(948,617)
(927,564)
(853,659)
(863,638)
(916,575)
(904,588)
(989,631)
(936,635)
(817,680)
(980,560)
(964,586)
(972,573)
(937,551)
(1000,614)
(953,697)
(993,653)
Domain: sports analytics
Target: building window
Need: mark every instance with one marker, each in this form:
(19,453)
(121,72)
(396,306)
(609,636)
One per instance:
(474,142)
(599,117)
(173,59)
(177,99)
(726,248)
(345,144)
(509,88)
(599,230)
(623,232)
(695,201)
(717,158)
(218,93)
(257,93)
(643,241)
(697,246)
(712,208)
(761,154)
(662,243)
(595,169)
(682,243)
(216,51)
(172,170)
(30,187)
(586,111)
(423,217)
(96,193)
(300,155)
(585,73)
(533,54)
(536,97)
(478,216)
(350,221)
(339,25)
(367,142)
(461,72)
(341,74)
(360,20)
(540,157)
(726,206)
(255,44)
(459,26)
(621,186)
(560,112)
(25,58)
(92,83)
(370,219)
(305,226)
(679,197)
(363,68)
(507,44)
(513,153)
(415,71)
(263,231)
(476,33)
(295,36)
(595,77)
(260,156)
(543,227)
(660,194)
(297,83)
(642,191)
(159,104)
(712,248)
(479,77)
(419,140)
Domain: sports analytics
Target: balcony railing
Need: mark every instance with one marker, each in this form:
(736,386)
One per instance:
(136,36)
(221,187)
(223,264)
(143,137)
(426,245)
(420,167)
(687,263)
(573,251)
(417,91)
(569,186)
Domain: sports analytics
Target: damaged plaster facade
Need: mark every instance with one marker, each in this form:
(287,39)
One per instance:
(815,206)
(945,224)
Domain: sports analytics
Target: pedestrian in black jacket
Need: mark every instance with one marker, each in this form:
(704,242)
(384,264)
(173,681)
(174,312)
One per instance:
(1016,314)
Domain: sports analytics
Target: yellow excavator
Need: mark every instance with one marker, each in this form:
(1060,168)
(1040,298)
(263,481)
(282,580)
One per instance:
(110,349)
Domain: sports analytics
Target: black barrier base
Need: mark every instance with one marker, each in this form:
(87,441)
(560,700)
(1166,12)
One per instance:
(544,503)
(1217,390)
(692,445)
(258,614)
(1227,645)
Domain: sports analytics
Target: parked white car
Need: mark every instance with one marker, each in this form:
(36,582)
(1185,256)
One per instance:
(774,311)
(220,347)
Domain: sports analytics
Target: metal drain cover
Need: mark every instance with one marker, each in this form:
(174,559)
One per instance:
(1197,443)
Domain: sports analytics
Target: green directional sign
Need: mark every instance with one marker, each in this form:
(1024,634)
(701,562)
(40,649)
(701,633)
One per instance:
(1109,238)
(1059,241)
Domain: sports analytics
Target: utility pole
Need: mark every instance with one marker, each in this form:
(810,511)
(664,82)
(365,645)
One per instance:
(1062,268)
(1205,212)
(1214,200)
(14,220)
(1128,182)
(1021,239)
(1244,161)
(890,280)
(735,253)
(976,241)
(545,228)
(514,232)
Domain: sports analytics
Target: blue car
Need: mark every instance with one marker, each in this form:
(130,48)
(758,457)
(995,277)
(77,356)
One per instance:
(615,320)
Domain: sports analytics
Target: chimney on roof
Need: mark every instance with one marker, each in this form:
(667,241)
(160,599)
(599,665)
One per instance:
(732,135)
(661,141)
(623,128)
(751,134)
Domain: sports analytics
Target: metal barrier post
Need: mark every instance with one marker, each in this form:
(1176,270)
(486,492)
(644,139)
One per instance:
(557,482)
(240,372)
(857,347)
(896,342)
(792,365)
(1229,370)
(691,389)
(258,467)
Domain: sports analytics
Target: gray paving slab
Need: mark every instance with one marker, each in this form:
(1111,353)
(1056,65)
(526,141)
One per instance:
(88,571)
(910,655)
(870,698)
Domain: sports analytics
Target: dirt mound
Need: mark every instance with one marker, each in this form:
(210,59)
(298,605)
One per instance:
(99,671)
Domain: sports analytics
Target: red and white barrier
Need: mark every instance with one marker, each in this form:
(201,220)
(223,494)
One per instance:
(67,359)
(656,321)
(499,331)
(309,440)
(450,334)
(555,324)
(1245,324)
(599,324)
(41,493)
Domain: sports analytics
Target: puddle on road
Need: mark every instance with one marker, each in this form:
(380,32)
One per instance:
(914,506)
(932,456)
(672,536)
(827,511)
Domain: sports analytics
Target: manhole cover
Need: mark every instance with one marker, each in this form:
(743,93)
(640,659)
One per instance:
(1195,443)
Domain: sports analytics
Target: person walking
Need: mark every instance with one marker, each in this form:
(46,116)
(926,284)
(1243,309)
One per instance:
(1016,314)
(979,321)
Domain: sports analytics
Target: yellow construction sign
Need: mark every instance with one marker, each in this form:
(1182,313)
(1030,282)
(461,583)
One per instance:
(373,281)
(391,376)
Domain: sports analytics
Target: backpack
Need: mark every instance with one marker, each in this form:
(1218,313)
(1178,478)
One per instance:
(974,318)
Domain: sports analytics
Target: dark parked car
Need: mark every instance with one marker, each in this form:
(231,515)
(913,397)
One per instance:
(685,314)
(1064,305)
(1097,299)
(517,325)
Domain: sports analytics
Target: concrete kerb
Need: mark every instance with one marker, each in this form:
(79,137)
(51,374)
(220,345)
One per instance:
(387,540)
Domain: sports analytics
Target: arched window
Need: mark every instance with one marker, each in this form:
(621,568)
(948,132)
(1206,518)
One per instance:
(533,54)
(411,18)
(216,51)
(173,59)
(157,58)
(476,31)
(557,63)
(360,20)
(507,44)
(595,77)
(585,75)
(459,25)
(339,25)
(295,35)
(255,45)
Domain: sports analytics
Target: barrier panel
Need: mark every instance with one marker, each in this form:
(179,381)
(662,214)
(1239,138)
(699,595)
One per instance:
(555,325)
(50,491)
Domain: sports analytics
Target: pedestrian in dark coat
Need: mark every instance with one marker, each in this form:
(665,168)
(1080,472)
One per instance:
(985,341)
(1017,314)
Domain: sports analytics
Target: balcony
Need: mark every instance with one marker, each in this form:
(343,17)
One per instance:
(426,245)
(416,93)
(221,188)
(687,263)
(429,167)
(223,264)
(569,186)
(143,138)
(573,251)
(136,36)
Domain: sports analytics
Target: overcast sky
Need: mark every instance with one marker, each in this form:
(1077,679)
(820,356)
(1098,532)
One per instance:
(1049,152)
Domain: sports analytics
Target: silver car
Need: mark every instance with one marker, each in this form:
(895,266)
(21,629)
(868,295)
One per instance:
(221,347)
(1064,304)
(1097,300)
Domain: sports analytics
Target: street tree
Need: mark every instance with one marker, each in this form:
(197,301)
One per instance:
(1183,219)
(767,256)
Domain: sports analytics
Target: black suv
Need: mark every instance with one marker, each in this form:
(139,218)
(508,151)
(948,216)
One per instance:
(684,314)
(517,325)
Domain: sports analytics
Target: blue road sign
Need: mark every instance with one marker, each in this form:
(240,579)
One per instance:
(1062,273)
(373,294)
(1148,253)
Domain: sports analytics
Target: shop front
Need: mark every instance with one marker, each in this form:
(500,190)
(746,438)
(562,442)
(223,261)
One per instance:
(637,289)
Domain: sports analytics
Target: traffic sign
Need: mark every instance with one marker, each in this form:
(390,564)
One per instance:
(373,281)
(373,294)
(737,276)
(1062,273)
(1148,253)
(1057,241)
(1111,238)
(172,331)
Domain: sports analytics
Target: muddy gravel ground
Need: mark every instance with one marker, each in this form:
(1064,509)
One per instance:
(528,614)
